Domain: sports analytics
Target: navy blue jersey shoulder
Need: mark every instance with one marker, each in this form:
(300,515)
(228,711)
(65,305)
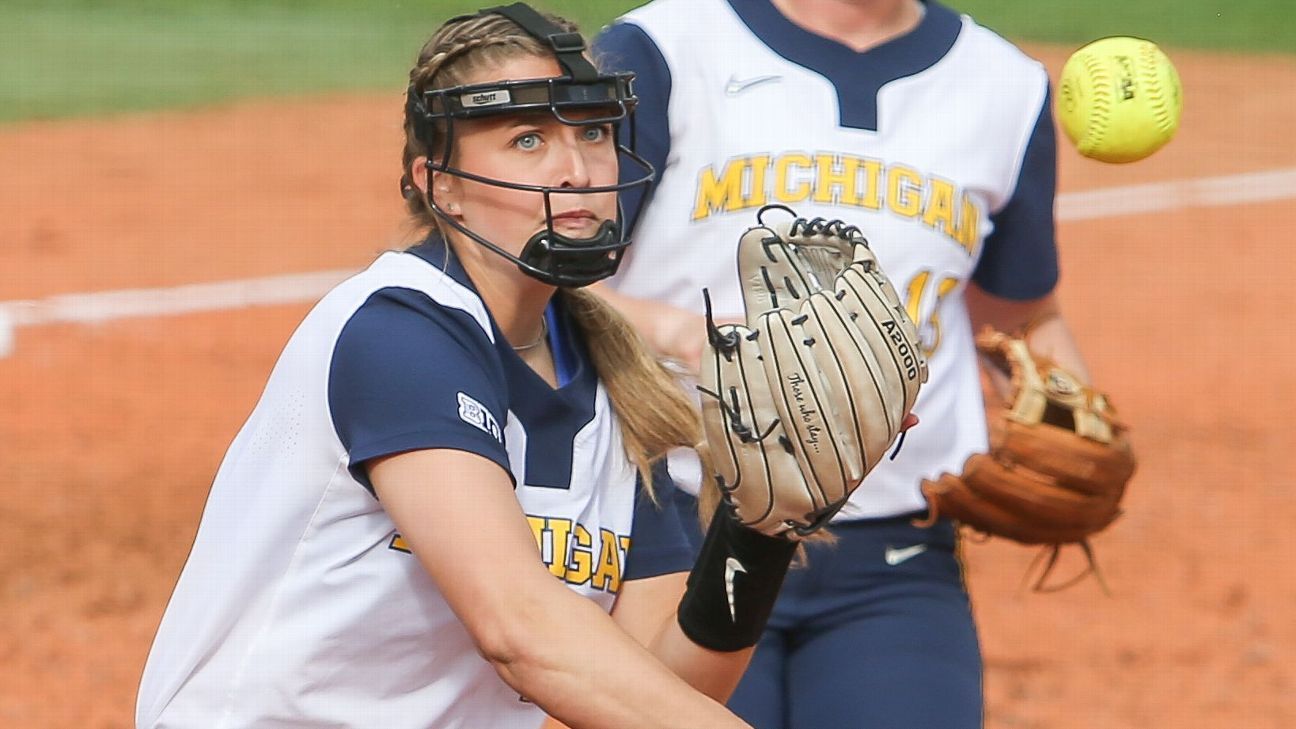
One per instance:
(551,417)
(857,76)
(659,544)
(626,47)
(1020,260)
(409,374)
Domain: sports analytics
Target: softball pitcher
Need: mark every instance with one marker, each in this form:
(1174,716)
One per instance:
(368,553)
(934,136)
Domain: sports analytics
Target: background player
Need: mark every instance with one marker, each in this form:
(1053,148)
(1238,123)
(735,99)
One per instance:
(935,136)
(371,534)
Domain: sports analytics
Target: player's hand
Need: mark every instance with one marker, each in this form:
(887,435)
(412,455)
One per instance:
(676,335)
(680,335)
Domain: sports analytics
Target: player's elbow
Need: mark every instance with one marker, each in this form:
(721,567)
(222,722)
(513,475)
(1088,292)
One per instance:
(523,640)
(504,646)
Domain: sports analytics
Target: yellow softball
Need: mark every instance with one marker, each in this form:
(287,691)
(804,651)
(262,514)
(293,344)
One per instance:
(1119,99)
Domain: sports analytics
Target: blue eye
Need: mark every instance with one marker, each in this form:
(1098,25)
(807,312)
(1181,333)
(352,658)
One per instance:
(595,134)
(528,141)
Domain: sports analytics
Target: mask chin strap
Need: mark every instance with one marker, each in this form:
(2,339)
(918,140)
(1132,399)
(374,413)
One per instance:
(548,255)
(554,258)
(567,261)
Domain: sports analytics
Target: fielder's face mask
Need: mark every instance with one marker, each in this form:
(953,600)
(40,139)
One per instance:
(598,98)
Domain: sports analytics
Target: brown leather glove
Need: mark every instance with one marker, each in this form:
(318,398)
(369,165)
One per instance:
(1058,460)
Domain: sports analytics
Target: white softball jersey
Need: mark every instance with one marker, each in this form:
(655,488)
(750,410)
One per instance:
(938,144)
(301,605)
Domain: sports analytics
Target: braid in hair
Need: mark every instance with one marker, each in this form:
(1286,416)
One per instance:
(446,60)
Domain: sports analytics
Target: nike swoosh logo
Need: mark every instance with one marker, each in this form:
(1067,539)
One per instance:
(896,556)
(737,86)
(732,567)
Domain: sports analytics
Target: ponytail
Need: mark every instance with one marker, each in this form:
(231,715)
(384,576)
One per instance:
(655,413)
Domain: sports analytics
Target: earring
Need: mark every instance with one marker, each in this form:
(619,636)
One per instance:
(453,208)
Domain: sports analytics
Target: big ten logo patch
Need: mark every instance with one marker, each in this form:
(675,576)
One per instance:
(476,415)
(578,556)
(843,180)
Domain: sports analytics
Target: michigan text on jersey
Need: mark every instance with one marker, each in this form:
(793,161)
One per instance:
(573,554)
(600,565)
(839,179)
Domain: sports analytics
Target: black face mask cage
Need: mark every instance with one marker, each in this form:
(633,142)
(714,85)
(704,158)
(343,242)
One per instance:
(548,256)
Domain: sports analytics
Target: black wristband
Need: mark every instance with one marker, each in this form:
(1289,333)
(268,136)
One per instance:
(733,585)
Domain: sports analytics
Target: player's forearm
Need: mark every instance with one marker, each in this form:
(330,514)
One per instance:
(1052,338)
(647,610)
(729,598)
(1049,334)
(669,330)
(714,673)
(631,307)
(618,685)
(553,646)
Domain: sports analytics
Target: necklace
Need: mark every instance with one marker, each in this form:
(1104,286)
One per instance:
(544,331)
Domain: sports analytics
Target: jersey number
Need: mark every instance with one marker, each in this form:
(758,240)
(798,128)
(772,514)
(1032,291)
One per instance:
(917,295)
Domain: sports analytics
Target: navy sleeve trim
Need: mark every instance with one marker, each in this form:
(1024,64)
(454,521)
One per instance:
(1019,259)
(408,374)
(626,47)
(658,544)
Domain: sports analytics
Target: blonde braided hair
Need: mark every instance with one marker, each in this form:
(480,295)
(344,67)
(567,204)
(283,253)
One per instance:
(446,60)
(653,411)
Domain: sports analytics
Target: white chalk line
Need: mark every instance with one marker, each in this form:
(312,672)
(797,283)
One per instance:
(98,307)
(1156,197)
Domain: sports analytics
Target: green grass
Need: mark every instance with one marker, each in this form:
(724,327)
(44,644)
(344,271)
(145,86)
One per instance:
(62,58)
(80,58)
(1234,25)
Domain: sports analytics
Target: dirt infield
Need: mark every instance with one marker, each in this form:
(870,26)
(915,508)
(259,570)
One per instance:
(110,433)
